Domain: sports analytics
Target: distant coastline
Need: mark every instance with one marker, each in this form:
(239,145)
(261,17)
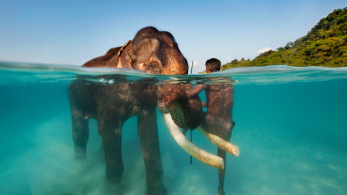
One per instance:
(324,45)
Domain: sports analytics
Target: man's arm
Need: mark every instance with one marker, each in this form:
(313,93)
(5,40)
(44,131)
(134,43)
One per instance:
(196,90)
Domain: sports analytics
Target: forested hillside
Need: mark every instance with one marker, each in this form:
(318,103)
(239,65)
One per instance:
(324,45)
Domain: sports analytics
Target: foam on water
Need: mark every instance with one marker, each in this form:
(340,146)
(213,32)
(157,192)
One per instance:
(290,127)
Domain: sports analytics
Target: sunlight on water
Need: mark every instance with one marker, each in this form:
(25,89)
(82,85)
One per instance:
(290,126)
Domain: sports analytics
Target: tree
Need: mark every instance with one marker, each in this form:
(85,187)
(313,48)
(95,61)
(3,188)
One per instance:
(235,61)
(289,45)
(324,45)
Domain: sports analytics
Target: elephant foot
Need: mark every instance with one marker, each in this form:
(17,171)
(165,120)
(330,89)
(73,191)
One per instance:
(113,179)
(80,154)
(163,191)
(221,192)
(111,188)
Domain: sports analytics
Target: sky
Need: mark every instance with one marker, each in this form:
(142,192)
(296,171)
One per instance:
(73,32)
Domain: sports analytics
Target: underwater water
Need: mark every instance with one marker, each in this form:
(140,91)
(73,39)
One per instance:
(291,129)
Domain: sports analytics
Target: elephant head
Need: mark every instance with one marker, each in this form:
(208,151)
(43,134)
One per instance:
(153,51)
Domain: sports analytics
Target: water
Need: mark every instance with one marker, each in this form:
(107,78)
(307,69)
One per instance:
(290,126)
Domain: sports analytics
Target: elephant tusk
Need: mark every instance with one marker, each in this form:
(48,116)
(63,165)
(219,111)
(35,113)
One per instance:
(190,148)
(221,143)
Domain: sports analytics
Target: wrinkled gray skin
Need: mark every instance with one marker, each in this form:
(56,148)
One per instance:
(155,52)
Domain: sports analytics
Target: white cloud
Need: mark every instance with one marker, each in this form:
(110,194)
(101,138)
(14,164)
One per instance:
(264,50)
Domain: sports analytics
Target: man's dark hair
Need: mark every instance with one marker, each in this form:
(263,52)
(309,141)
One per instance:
(213,64)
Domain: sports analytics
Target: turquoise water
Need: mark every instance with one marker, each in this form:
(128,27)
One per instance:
(291,128)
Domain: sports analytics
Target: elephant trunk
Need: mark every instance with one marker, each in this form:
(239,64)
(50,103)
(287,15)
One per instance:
(186,113)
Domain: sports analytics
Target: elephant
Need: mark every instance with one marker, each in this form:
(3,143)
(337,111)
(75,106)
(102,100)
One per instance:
(152,51)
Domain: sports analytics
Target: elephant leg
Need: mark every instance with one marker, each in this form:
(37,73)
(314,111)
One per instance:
(80,133)
(111,133)
(149,138)
(113,159)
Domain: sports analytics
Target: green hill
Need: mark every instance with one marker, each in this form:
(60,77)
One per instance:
(325,45)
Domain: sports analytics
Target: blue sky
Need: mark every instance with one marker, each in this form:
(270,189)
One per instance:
(73,32)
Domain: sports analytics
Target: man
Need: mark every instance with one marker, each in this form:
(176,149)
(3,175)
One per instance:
(218,118)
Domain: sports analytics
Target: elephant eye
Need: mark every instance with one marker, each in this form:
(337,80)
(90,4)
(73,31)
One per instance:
(153,68)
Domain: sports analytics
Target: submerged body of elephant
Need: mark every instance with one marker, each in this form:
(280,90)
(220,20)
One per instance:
(111,106)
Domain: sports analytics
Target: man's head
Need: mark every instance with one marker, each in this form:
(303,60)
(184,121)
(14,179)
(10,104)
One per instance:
(213,65)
